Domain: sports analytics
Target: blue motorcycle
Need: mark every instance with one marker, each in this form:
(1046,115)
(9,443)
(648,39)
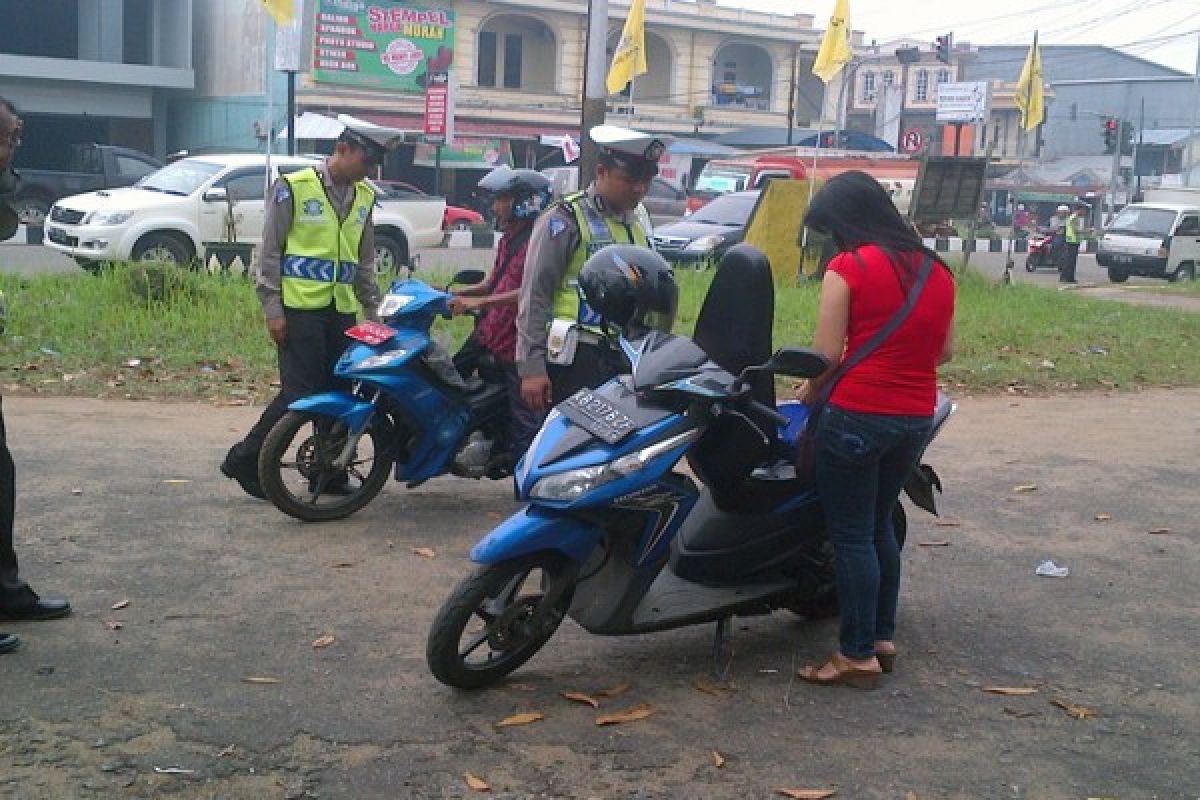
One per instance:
(405,406)
(615,535)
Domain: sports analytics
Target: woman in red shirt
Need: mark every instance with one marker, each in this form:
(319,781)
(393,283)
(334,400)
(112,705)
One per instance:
(871,432)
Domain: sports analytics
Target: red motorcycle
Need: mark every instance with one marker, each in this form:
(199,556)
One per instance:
(1043,250)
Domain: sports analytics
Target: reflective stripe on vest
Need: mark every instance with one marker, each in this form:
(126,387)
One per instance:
(1072,232)
(320,257)
(596,230)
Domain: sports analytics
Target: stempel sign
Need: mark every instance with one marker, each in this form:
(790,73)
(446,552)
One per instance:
(381,44)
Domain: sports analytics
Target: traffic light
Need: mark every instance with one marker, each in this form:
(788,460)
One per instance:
(1111,135)
(941,47)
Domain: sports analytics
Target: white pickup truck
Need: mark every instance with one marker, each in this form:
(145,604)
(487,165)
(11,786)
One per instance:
(171,214)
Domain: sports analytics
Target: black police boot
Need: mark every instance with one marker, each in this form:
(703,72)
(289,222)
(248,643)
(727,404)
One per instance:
(243,470)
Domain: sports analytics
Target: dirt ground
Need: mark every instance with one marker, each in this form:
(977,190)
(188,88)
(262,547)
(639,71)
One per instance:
(120,504)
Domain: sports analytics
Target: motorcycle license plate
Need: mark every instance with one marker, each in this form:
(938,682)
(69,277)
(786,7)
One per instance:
(371,333)
(597,416)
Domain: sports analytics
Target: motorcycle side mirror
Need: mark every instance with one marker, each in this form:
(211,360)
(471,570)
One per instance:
(797,362)
(468,277)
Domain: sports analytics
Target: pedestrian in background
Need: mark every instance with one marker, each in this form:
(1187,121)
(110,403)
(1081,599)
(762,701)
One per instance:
(879,412)
(17,600)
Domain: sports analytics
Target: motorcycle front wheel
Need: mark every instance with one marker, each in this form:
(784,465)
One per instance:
(296,472)
(498,618)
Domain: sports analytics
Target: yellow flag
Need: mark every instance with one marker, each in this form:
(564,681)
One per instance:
(1030,90)
(630,56)
(281,10)
(835,44)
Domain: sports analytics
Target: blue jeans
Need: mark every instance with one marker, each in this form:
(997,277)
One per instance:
(862,462)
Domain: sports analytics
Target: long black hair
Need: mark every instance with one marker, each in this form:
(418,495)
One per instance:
(855,210)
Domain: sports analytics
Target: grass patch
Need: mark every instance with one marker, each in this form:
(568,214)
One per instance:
(140,334)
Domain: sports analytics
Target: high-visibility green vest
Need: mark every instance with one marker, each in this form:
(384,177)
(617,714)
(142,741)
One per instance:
(596,230)
(320,258)
(1072,231)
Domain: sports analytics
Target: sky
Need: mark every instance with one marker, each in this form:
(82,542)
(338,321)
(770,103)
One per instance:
(1164,31)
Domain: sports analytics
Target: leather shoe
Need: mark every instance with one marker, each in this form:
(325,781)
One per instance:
(244,473)
(26,605)
(8,642)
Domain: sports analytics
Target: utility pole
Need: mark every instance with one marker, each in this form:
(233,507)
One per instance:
(791,113)
(1137,148)
(595,93)
(1116,172)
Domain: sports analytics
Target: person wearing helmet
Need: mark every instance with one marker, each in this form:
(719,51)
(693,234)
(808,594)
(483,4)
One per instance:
(316,269)
(517,198)
(610,211)
(1072,232)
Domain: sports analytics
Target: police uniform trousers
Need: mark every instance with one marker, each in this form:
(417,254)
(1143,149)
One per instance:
(1070,259)
(315,341)
(595,364)
(8,503)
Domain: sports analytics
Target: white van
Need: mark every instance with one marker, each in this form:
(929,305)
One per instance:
(1155,239)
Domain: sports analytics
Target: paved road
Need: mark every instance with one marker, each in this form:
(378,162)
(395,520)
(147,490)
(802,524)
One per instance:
(184,589)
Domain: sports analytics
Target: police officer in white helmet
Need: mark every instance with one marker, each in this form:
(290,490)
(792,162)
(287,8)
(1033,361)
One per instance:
(558,347)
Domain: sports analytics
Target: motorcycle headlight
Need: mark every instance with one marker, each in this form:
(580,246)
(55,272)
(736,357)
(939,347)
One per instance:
(107,217)
(704,243)
(573,484)
(381,359)
(393,303)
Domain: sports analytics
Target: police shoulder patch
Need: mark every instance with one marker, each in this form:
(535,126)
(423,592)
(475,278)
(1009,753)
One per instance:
(557,225)
(282,192)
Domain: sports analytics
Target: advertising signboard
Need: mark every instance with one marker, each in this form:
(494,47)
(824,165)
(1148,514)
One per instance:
(381,44)
(437,107)
(465,154)
(948,188)
(963,102)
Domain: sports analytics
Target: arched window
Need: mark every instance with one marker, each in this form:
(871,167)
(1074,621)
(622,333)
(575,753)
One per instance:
(514,52)
(655,85)
(742,76)
(921,93)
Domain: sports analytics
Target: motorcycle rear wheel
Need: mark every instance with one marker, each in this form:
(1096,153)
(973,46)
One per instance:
(295,474)
(823,602)
(519,603)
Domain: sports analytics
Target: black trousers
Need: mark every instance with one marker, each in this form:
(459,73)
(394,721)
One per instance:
(315,341)
(594,365)
(8,503)
(1070,259)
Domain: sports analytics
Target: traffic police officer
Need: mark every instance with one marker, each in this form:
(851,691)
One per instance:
(608,212)
(316,266)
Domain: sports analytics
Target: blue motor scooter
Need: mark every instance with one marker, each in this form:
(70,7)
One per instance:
(618,538)
(405,405)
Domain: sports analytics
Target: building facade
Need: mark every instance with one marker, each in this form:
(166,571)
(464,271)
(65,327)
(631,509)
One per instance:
(94,71)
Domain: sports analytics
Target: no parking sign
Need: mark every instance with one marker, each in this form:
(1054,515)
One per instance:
(912,140)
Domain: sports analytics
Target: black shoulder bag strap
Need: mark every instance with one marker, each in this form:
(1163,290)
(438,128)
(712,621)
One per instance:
(880,336)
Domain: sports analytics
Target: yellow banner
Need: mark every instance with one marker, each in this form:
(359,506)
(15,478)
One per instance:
(835,44)
(1030,96)
(281,11)
(629,59)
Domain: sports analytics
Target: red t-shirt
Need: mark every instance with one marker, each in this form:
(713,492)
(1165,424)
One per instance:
(900,376)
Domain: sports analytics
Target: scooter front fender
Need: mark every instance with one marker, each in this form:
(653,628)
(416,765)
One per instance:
(340,405)
(532,529)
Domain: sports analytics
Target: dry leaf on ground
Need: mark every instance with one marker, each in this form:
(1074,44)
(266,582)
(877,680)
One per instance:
(257,679)
(176,480)
(424,552)
(324,641)
(117,606)
(807,794)
(614,691)
(1159,530)
(1103,517)
(520,719)
(580,697)
(478,784)
(1021,713)
(112,624)
(933,544)
(708,687)
(718,759)
(341,564)
(1026,487)
(1075,711)
(1010,691)
(628,715)
(947,523)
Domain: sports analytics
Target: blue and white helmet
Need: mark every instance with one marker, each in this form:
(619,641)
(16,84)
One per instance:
(528,188)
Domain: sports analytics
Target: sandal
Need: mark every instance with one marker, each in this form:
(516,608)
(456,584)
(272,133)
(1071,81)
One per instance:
(887,659)
(844,674)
